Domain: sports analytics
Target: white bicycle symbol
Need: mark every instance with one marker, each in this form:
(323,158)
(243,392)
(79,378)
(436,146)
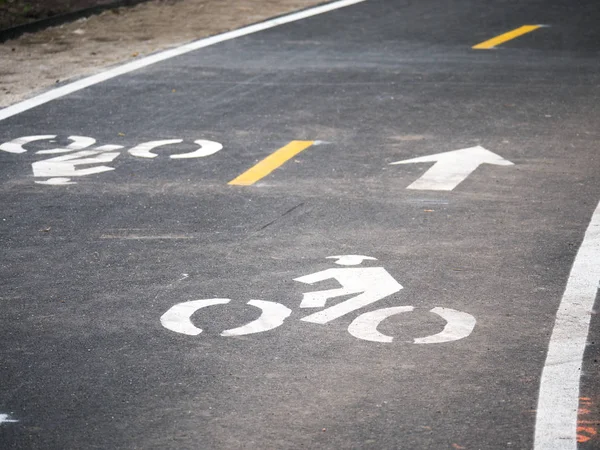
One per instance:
(370,283)
(80,152)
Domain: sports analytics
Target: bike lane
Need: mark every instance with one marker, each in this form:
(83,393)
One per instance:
(91,267)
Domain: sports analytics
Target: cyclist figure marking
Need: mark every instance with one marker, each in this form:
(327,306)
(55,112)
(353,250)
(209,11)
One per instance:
(371,283)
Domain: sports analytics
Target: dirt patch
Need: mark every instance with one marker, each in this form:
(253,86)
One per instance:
(35,62)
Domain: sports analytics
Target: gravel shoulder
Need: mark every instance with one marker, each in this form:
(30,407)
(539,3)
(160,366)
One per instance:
(36,62)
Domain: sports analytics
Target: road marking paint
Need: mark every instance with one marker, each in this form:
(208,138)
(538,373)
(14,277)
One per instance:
(143,150)
(459,325)
(64,166)
(206,148)
(351,260)
(586,433)
(270,163)
(452,168)
(273,315)
(16,145)
(371,283)
(4,418)
(586,428)
(492,43)
(61,168)
(57,181)
(67,89)
(558,402)
(177,318)
(365,326)
(79,143)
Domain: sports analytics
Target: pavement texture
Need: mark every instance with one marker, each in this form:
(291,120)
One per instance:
(88,269)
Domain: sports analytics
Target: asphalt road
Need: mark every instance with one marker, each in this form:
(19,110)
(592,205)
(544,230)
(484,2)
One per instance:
(88,269)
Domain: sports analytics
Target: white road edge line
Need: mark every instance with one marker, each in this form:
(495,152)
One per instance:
(558,402)
(67,89)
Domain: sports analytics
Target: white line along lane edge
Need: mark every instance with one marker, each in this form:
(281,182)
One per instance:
(67,89)
(558,401)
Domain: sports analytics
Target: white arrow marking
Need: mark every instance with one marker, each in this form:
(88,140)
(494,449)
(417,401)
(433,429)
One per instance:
(451,168)
(273,315)
(177,318)
(459,325)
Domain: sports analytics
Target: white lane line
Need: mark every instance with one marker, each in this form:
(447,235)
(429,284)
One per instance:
(53,94)
(556,419)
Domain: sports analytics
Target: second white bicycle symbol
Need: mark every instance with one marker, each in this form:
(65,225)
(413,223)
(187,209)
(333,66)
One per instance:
(370,283)
(82,157)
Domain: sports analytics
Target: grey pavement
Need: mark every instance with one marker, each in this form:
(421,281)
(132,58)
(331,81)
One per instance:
(88,269)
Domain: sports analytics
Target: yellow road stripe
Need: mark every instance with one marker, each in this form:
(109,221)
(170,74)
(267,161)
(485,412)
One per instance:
(270,163)
(506,37)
